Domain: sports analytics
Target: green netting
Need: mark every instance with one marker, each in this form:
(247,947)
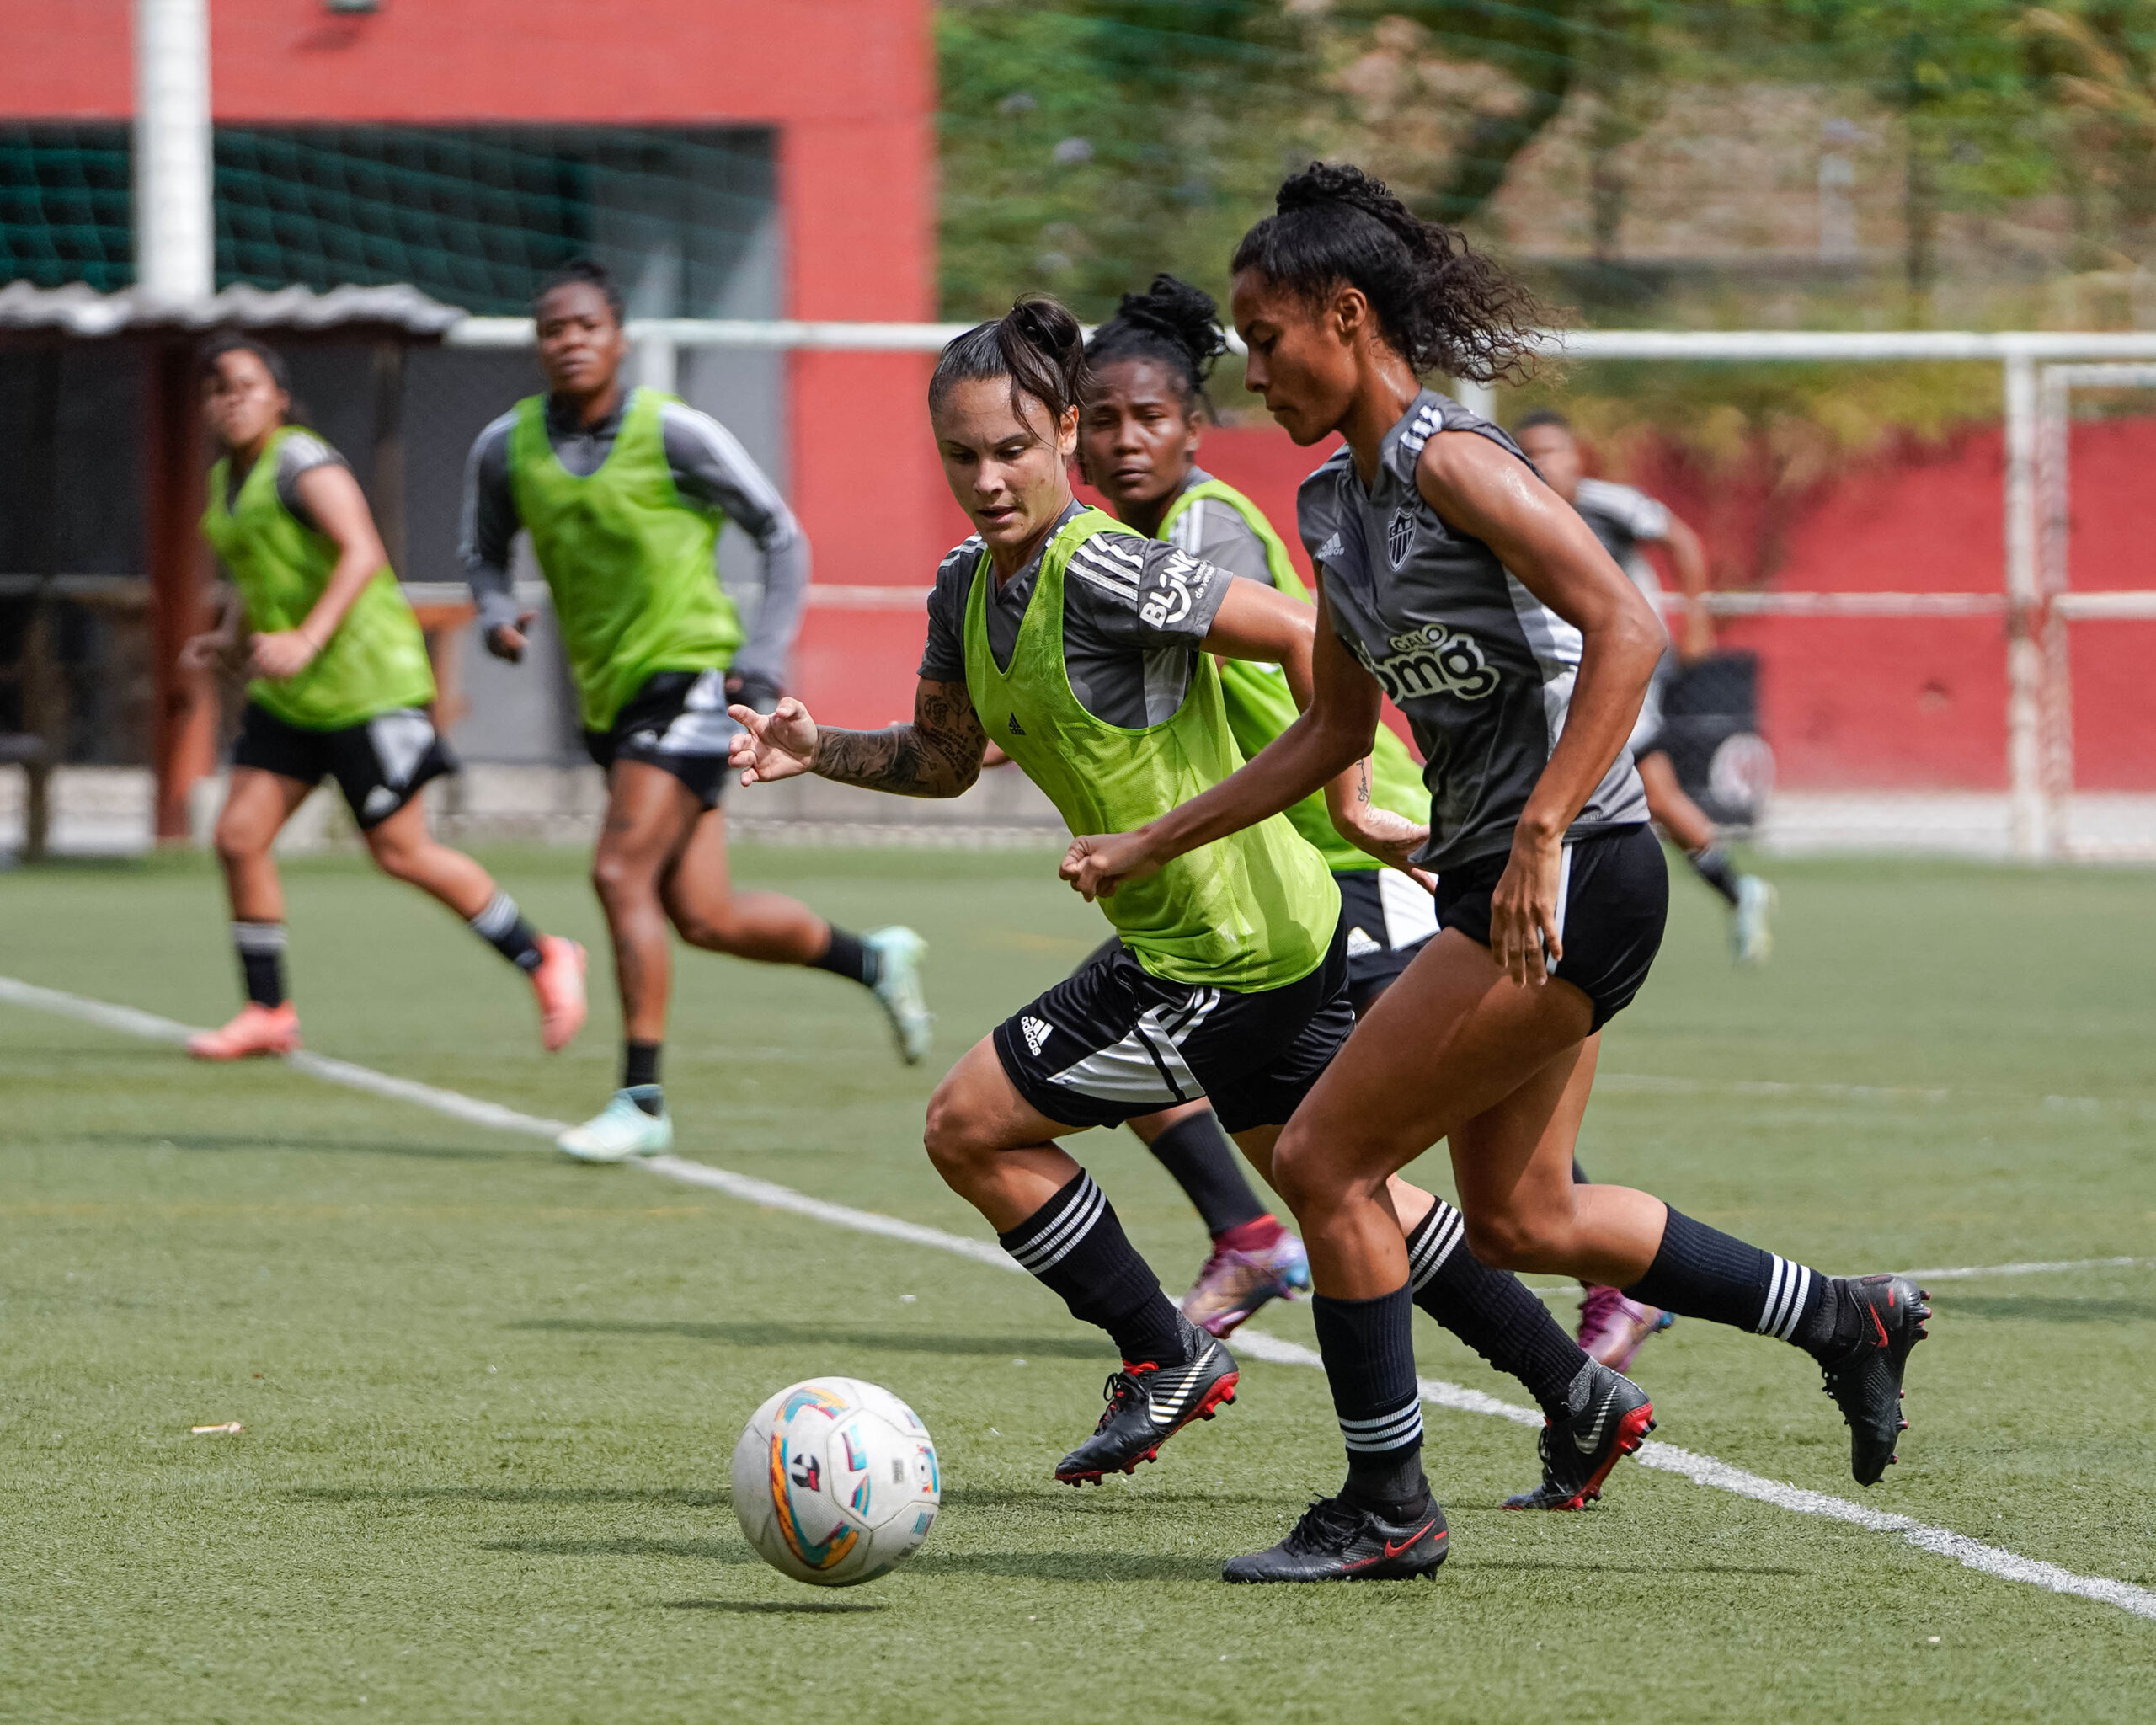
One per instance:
(475,218)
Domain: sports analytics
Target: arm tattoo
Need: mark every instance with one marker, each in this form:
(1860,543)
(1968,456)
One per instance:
(938,754)
(1362,780)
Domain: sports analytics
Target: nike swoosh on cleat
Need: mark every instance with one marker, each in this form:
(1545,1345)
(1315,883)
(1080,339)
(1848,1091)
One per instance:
(1393,1550)
(1873,1313)
(1592,1441)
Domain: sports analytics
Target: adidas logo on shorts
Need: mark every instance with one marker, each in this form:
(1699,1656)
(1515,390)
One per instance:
(1360,945)
(1036,1031)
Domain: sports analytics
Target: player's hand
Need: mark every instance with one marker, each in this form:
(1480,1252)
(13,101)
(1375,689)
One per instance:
(1392,839)
(758,692)
(507,641)
(282,654)
(1524,936)
(1096,865)
(780,743)
(208,652)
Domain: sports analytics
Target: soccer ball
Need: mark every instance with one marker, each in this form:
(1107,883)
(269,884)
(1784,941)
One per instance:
(835,1482)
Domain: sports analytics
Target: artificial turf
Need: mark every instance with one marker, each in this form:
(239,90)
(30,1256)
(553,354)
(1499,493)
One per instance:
(489,1398)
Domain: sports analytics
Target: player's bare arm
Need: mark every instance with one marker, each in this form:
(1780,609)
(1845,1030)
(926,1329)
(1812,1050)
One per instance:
(938,754)
(1480,490)
(339,510)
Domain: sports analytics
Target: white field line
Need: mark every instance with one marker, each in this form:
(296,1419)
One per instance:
(1665,1458)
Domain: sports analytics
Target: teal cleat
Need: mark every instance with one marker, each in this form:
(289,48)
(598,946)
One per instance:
(619,1132)
(899,952)
(1751,930)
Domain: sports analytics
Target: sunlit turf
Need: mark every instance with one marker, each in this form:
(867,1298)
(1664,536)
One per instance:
(489,1397)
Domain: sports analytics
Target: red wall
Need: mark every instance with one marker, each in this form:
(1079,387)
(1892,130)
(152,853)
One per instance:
(1891,703)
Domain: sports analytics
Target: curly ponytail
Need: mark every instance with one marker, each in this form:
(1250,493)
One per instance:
(1038,344)
(1173,324)
(1444,306)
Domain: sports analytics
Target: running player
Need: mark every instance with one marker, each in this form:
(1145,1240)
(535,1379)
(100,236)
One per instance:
(623,491)
(1138,441)
(341,686)
(1458,583)
(1624,519)
(1089,652)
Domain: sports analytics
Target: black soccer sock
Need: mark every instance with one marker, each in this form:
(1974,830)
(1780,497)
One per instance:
(1074,1246)
(261,949)
(1712,864)
(1490,1310)
(847,956)
(1701,1272)
(1199,1158)
(640,1071)
(501,926)
(1369,1347)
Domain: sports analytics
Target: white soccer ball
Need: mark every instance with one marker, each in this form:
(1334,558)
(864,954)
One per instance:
(835,1482)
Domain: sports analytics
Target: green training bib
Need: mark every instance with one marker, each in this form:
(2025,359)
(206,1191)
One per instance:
(627,557)
(1252,911)
(1260,705)
(377,660)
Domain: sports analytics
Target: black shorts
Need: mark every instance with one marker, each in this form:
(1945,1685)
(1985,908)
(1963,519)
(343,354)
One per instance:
(1388,919)
(677,722)
(1613,899)
(379,765)
(1113,1041)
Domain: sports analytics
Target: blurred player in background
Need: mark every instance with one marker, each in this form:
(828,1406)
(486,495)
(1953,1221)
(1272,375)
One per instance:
(624,492)
(340,689)
(1456,582)
(1092,651)
(1624,519)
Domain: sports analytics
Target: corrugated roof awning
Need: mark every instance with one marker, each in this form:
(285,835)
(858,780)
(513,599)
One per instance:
(80,312)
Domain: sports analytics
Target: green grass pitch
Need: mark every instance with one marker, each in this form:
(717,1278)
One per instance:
(489,1398)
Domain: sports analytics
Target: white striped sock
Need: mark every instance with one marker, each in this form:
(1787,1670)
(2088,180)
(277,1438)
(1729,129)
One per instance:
(259,939)
(1384,1431)
(1788,1287)
(1054,1243)
(1435,1241)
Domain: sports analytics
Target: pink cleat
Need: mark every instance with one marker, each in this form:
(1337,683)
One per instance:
(1238,1279)
(257,1030)
(1611,1327)
(559,984)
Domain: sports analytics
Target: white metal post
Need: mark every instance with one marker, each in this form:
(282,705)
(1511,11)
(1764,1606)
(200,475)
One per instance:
(174,242)
(2027,829)
(1476,398)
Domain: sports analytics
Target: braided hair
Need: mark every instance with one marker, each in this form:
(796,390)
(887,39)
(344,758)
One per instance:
(1444,306)
(1174,325)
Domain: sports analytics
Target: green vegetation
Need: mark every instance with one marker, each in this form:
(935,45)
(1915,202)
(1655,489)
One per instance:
(489,1397)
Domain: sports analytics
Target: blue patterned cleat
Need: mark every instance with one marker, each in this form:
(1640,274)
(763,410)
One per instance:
(1233,1284)
(899,952)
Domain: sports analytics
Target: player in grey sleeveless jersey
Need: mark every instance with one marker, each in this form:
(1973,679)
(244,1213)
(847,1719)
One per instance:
(1457,582)
(1624,519)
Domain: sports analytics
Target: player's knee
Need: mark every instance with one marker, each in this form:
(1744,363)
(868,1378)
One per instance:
(1511,1240)
(1301,1172)
(700,927)
(399,858)
(956,1135)
(236,843)
(615,877)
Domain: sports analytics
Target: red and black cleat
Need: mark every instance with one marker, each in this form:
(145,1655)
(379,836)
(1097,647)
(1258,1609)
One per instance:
(1579,1451)
(1866,1381)
(1340,1540)
(1148,1404)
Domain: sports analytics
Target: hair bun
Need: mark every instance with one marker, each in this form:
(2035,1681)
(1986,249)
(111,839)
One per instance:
(1048,324)
(1180,313)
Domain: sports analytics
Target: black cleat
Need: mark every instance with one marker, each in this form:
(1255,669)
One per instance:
(1148,1404)
(1339,1541)
(1579,1451)
(1866,1381)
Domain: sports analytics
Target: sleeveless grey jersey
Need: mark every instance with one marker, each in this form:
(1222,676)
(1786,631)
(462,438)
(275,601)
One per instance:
(1483,670)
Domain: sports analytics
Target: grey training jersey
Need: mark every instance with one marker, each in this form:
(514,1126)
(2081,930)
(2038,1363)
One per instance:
(1213,533)
(1620,517)
(1482,669)
(1135,614)
(709,469)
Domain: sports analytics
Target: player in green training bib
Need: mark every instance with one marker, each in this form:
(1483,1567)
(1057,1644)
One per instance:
(1138,441)
(340,686)
(1087,651)
(623,493)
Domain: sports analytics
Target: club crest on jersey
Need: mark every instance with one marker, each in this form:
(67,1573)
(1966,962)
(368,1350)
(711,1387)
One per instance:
(1399,533)
(1431,660)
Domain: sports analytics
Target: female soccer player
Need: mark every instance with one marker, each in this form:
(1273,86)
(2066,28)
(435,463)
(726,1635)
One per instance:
(1457,582)
(341,685)
(623,493)
(1088,652)
(1138,440)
